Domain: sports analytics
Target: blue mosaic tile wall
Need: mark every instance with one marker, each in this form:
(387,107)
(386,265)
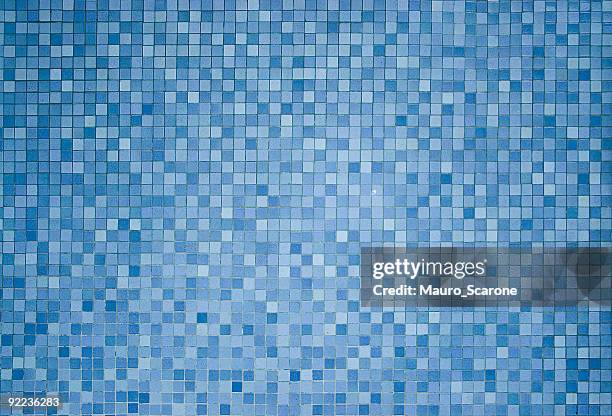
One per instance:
(186,187)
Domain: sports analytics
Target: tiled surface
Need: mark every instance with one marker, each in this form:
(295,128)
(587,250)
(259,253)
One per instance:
(186,188)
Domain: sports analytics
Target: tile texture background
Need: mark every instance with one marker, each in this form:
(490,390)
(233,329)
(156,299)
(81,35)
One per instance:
(186,187)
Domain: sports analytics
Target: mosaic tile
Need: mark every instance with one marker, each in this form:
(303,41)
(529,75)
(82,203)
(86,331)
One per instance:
(186,186)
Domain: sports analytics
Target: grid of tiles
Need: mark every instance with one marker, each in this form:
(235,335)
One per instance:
(186,186)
